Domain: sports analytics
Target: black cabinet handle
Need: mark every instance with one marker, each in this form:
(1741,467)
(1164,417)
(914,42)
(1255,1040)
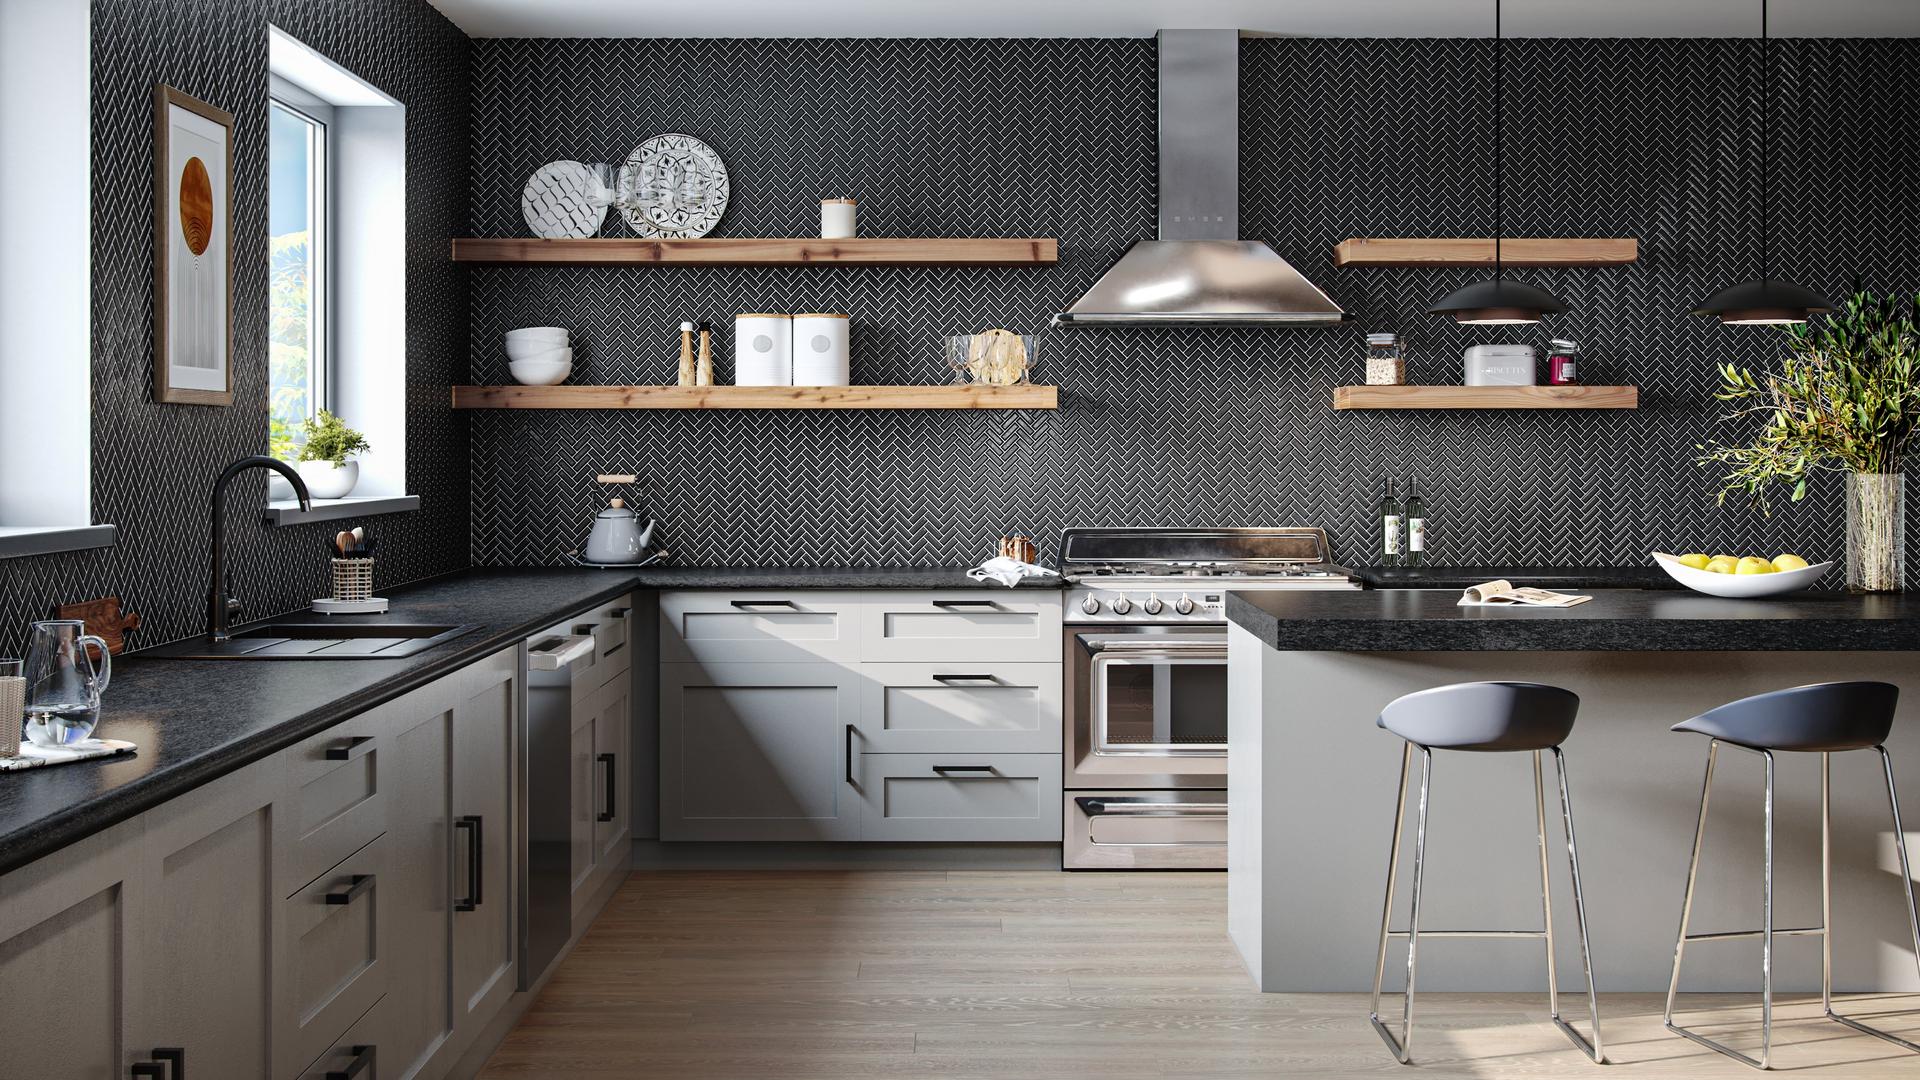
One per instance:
(619,612)
(362,1061)
(361,883)
(175,1056)
(967,678)
(348,749)
(613,773)
(470,822)
(962,768)
(765,603)
(850,778)
(991,605)
(148,1070)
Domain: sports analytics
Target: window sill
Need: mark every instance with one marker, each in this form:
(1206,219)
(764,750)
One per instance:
(288,512)
(17,541)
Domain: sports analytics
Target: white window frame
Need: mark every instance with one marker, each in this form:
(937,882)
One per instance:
(309,107)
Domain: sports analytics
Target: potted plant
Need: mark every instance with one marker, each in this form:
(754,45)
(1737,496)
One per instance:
(325,459)
(1845,398)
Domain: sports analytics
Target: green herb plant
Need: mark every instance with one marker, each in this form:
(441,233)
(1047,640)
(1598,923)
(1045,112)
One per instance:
(330,439)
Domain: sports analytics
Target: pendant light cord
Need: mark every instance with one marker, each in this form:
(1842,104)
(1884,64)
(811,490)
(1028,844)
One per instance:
(1499,143)
(1766,148)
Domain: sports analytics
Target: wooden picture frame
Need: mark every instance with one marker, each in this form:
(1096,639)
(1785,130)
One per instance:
(192,250)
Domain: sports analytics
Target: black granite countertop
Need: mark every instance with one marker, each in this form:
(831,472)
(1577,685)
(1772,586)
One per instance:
(195,720)
(1617,620)
(1561,578)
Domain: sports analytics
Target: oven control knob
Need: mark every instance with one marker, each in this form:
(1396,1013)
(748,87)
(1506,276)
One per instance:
(1152,605)
(1122,605)
(1091,605)
(1184,605)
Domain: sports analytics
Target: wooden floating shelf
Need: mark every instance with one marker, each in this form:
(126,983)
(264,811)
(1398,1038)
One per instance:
(756,397)
(1486,397)
(1471,251)
(752,251)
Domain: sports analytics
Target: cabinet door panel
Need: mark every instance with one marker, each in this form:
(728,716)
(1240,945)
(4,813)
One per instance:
(419,1006)
(1002,797)
(336,804)
(612,725)
(485,730)
(757,752)
(582,854)
(986,706)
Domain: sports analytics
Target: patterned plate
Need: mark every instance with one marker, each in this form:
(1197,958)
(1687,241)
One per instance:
(673,187)
(558,202)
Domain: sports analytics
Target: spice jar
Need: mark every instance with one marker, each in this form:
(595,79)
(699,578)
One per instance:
(1385,365)
(1562,370)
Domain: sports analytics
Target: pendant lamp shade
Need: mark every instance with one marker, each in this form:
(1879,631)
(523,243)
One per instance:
(1498,301)
(1763,303)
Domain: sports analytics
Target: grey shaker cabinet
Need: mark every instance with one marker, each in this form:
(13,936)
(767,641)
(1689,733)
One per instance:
(485,762)
(998,797)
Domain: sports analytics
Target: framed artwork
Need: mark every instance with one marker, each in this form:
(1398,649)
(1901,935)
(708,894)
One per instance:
(192,250)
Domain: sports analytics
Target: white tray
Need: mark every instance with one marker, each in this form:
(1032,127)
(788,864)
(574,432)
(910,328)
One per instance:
(373,605)
(33,755)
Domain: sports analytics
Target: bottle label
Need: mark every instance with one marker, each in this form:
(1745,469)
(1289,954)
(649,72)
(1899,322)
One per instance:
(1390,534)
(1417,534)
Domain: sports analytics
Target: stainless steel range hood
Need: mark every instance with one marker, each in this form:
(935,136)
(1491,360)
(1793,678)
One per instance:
(1199,273)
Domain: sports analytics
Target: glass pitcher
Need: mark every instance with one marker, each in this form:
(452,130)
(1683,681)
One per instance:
(63,685)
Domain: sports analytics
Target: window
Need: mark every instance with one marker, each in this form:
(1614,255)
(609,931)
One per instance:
(297,224)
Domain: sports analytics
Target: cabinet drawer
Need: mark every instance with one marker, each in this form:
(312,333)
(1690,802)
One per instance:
(966,624)
(986,707)
(755,627)
(612,633)
(959,796)
(337,805)
(360,1047)
(335,948)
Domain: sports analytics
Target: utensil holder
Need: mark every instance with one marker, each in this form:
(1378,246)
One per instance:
(352,579)
(13,705)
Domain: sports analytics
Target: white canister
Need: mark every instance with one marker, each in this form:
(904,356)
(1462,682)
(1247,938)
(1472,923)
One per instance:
(1500,365)
(836,219)
(820,350)
(763,350)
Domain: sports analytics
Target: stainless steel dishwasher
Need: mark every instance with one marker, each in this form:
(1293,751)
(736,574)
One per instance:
(554,660)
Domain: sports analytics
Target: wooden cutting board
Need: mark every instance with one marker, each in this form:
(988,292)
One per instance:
(103,618)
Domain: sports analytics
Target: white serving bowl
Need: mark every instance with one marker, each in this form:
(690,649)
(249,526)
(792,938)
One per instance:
(1740,586)
(538,333)
(542,372)
(534,350)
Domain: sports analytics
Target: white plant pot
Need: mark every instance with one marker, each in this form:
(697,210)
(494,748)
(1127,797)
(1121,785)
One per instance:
(278,489)
(325,480)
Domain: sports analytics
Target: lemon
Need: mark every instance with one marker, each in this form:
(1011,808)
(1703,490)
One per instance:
(1726,558)
(1789,562)
(1722,564)
(1753,565)
(1695,560)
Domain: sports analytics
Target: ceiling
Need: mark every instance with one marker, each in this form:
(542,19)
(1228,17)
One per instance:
(1140,18)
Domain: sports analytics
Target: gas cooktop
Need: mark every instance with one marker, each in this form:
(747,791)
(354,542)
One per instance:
(1179,575)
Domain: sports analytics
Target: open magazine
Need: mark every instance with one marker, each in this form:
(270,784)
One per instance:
(1503,592)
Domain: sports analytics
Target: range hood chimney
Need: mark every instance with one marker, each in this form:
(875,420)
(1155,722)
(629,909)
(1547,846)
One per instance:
(1199,272)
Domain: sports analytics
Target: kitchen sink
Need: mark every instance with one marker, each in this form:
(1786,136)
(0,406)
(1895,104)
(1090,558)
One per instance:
(333,640)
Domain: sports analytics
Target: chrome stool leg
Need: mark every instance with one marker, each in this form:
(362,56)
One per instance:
(1400,1046)
(1826,888)
(1595,1051)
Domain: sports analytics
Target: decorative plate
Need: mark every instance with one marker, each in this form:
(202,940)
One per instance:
(558,201)
(673,187)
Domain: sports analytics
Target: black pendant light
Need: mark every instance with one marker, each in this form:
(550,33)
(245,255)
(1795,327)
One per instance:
(1765,302)
(1498,301)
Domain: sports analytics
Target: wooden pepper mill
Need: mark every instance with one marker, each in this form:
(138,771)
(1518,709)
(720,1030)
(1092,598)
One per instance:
(687,373)
(703,371)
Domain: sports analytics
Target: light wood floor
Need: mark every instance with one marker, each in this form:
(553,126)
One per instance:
(776,975)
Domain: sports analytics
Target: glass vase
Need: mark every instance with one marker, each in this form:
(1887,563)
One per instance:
(1876,531)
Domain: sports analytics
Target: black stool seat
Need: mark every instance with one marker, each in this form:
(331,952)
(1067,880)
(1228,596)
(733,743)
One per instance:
(1823,717)
(1484,716)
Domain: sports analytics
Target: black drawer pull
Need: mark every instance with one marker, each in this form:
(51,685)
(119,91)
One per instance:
(348,749)
(994,679)
(362,1061)
(850,778)
(963,768)
(148,1070)
(619,612)
(175,1056)
(470,822)
(361,883)
(613,774)
(990,605)
(765,603)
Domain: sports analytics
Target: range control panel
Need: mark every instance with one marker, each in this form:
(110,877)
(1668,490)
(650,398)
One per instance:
(1101,605)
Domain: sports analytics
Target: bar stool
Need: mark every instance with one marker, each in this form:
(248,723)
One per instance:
(1483,717)
(1825,718)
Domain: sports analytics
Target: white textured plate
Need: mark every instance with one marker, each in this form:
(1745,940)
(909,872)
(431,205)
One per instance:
(558,202)
(1741,586)
(673,187)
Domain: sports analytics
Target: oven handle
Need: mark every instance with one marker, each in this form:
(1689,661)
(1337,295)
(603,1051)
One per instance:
(1156,651)
(1095,807)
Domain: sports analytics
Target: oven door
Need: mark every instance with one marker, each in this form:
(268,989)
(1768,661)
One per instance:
(1149,707)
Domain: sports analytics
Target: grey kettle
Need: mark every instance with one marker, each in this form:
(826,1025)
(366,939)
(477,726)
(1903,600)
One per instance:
(617,535)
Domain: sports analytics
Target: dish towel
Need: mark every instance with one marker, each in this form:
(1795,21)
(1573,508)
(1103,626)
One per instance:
(1008,572)
(33,755)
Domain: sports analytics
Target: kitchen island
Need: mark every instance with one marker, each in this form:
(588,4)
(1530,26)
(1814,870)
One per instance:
(1311,788)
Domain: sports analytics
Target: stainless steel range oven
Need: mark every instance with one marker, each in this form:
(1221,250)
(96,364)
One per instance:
(1146,670)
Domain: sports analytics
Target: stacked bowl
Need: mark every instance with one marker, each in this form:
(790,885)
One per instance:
(539,355)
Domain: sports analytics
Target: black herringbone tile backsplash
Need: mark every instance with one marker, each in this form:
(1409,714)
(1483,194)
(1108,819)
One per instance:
(1644,138)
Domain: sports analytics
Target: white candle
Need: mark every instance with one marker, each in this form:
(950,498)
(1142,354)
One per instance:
(836,219)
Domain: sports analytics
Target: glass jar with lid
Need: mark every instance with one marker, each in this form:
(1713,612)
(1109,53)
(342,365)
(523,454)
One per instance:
(1386,366)
(1562,367)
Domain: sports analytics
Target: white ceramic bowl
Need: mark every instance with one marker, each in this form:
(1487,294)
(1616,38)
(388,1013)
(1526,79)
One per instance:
(534,350)
(542,372)
(539,333)
(1741,586)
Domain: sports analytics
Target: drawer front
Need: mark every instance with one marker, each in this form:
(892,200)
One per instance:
(360,1048)
(959,796)
(962,625)
(758,627)
(335,950)
(990,707)
(613,631)
(337,803)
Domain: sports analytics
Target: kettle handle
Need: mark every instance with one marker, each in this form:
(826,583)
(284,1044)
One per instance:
(103,671)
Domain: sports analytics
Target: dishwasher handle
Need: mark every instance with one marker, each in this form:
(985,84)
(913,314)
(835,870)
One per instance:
(554,653)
